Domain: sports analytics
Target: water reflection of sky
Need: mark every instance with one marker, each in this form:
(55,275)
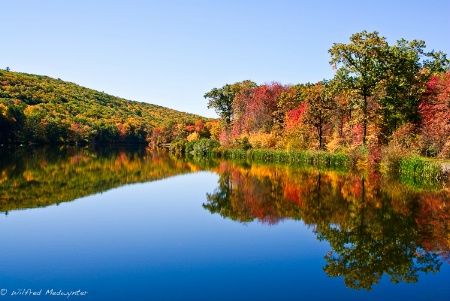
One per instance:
(155,241)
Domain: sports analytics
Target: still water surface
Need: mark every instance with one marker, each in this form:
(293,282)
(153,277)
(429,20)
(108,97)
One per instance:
(136,225)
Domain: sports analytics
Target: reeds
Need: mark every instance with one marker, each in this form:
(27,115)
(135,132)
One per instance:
(416,167)
(317,158)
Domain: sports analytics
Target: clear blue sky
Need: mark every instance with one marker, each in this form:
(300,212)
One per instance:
(172,52)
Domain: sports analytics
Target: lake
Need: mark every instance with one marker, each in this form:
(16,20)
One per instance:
(132,224)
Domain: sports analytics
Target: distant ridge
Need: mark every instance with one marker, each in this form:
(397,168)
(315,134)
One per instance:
(41,109)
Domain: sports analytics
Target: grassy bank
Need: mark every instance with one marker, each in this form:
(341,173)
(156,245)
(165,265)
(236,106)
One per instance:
(419,167)
(409,168)
(317,158)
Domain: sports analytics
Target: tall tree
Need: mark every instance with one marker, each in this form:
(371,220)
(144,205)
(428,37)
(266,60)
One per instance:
(290,99)
(362,65)
(260,107)
(320,106)
(435,111)
(221,99)
(408,68)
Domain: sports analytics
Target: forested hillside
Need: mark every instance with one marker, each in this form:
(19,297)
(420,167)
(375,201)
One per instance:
(40,109)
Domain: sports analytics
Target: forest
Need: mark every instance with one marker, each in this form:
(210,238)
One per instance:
(383,99)
(37,109)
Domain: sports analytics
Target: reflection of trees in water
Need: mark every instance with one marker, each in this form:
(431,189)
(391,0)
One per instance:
(374,228)
(374,242)
(41,176)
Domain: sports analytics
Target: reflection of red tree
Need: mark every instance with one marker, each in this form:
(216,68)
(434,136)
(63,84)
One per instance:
(433,220)
(223,167)
(122,158)
(252,197)
(292,193)
(356,187)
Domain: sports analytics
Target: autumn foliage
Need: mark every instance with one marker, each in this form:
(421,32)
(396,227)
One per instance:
(41,110)
(381,94)
(435,110)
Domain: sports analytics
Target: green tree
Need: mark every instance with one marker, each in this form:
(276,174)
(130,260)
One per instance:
(362,68)
(222,99)
(408,68)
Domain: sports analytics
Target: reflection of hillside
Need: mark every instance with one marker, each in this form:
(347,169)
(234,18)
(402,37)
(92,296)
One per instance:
(374,227)
(37,177)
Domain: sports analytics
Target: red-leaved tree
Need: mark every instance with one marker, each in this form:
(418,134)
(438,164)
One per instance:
(435,110)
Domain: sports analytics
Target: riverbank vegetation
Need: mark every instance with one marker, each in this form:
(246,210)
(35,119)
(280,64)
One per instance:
(388,101)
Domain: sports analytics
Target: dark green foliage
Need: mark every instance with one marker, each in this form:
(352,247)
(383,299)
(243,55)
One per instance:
(202,147)
(242,144)
(178,147)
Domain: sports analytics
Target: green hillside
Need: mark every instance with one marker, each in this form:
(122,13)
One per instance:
(40,109)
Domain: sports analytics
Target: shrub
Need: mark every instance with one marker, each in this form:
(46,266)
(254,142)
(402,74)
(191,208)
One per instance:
(263,140)
(189,147)
(178,147)
(297,142)
(202,147)
(405,138)
(445,152)
(418,167)
(359,156)
(193,136)
(336,143)
(242,143)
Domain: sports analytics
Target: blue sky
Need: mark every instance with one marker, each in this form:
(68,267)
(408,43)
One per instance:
(172,52)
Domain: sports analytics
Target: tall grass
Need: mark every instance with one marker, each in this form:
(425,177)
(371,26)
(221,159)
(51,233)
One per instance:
(317,158)
(417,167)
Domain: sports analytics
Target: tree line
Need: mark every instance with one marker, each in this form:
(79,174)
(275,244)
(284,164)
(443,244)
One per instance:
(386,96)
